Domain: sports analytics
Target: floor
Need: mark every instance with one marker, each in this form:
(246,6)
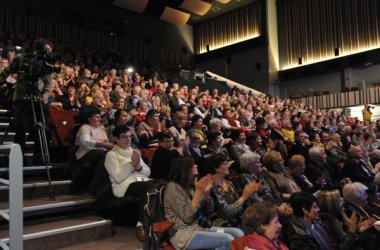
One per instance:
(124,239)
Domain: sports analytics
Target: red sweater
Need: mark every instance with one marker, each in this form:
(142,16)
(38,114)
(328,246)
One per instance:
(259,242)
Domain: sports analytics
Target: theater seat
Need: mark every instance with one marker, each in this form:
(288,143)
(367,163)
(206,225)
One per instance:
(61,121)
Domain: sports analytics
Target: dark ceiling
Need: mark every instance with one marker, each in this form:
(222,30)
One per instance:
(218,9)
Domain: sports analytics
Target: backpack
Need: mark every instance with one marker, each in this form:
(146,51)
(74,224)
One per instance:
(157,229)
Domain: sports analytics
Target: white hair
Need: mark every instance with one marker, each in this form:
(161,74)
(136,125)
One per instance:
(248,158)
(314,153)
(351,192)
(376,180)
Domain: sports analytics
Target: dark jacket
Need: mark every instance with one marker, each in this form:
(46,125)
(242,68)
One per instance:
(161,162)
(340,239)
(357,171)
(298,236)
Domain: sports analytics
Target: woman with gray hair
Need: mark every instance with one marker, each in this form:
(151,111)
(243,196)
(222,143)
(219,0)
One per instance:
(250,164)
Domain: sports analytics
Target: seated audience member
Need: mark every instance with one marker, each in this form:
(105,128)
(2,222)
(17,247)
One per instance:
(275,142)
(302,230)
(255,141)
(197,152)
(165,116)
(148,130)
(215,125)
(141,110)
(261,128)
(177,130)
(215,145)
(122,117)
(200,109)
(228,204)
(97,103)
(176,101)
(229,123)
(244,121)
(297,169)
(186,199)
(128,173)
(70,100)
(335,148)
(163,156)
(315,139)
(250,164)
(197,124)
(301,145)
(375,157)
(281,181)
(262,226)
(287,130)
(355,169)
(239,147)
(319,170)
(332,217)
(93,144)
(355,197)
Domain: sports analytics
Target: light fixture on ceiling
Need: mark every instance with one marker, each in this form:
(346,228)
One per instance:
(195,6)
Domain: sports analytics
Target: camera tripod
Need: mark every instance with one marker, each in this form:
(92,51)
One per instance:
(33,97)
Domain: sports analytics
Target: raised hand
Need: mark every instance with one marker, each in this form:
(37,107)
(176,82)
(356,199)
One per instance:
(352,223)
(136,154)
(250,188)
(366,224)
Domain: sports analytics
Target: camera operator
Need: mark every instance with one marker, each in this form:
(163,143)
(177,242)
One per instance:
(367,114)
(34,79)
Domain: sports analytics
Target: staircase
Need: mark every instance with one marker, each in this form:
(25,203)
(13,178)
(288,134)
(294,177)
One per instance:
(49,224)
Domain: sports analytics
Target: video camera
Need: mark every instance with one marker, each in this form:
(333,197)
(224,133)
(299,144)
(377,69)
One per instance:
(35,64)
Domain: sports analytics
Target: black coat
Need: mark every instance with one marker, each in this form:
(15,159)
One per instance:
(357,171)
(161,162)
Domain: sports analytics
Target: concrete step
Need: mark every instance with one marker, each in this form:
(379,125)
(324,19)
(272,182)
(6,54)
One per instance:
(62,204)
(38,189)
(37,172)
(5,112)
(10,136)
(63,233)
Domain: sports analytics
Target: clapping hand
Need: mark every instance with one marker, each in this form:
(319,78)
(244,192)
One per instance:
(136,158)
(250,188)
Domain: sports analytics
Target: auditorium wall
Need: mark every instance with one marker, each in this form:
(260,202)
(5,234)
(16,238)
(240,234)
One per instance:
(332,82)
(101,15)
(248,68)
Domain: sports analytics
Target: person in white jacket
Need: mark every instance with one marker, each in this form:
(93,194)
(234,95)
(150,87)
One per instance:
(128,173)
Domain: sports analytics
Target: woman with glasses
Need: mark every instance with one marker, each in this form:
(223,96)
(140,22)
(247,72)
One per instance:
(229,205)
(177,130)
(251,166)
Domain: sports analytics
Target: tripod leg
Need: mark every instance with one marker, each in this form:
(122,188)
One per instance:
(41,126)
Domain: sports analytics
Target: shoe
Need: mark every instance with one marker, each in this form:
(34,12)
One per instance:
(140,233)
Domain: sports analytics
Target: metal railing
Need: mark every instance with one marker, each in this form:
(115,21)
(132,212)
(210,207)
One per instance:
(344,99)
(15,213)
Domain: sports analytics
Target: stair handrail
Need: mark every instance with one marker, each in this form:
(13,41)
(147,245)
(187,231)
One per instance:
(15,213)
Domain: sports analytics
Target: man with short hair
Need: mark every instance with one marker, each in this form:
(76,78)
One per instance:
(163,156)
(355,169)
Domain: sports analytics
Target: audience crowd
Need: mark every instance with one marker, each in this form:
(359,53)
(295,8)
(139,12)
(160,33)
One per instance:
(287,175)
